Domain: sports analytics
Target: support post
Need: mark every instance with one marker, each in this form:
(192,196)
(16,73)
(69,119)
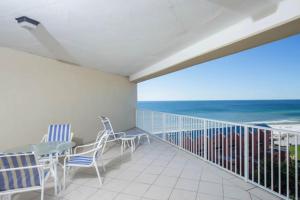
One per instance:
(246,153)
(205,139)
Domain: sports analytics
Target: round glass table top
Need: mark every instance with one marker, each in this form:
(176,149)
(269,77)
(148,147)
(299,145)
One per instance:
(43,148)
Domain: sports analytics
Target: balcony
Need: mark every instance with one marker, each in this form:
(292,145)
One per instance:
(265,157)
(157,171)
(82,59)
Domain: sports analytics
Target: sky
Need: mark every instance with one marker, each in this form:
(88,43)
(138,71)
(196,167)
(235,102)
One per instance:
(270,71)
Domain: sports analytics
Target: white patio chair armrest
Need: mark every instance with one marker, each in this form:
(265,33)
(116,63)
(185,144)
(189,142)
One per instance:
(82,153)
(44,138)
(19,168)
(72,135)
(83,146)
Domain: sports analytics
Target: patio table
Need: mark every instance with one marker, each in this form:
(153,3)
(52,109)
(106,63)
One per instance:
(126,140)
(49,150)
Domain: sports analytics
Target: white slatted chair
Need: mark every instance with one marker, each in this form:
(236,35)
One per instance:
(117,136)
(112,136)
(21,173)
(88,158)
(58,133)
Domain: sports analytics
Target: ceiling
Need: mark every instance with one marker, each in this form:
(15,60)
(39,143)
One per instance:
(117,36)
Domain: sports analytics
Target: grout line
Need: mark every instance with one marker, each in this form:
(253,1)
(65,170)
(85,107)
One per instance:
(251,188)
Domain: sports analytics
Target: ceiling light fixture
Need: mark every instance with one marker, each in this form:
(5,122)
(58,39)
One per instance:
(27,22)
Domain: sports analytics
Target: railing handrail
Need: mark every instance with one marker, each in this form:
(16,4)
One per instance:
(225,122)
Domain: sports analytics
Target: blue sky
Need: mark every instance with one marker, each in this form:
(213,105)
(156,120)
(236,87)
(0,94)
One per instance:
(271,71)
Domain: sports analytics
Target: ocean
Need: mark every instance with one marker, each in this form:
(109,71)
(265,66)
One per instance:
(245,111)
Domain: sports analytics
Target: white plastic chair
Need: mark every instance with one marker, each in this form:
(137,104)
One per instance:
(117,136)
(112,136)
(21,173)
(87,158)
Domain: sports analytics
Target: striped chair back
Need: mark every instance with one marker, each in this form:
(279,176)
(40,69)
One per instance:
(18,178)
(59,133)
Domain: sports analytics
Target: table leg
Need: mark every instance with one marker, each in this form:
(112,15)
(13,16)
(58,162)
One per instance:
(122,144)
(132,145)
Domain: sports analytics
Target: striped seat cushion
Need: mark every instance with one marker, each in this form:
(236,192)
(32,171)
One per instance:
(59,133)
(80,160)
(18,179)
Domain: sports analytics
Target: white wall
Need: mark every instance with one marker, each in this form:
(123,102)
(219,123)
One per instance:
(36,91)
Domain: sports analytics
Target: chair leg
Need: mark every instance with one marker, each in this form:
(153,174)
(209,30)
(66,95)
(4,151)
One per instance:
(103,166)
(98,174)
(55,180)
(42,193)
(122,148)
(65,169)
(139,138)
(148,139)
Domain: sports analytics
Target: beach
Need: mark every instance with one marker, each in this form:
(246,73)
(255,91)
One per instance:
(290,127)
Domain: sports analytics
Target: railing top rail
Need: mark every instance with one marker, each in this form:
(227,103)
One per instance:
(226,122)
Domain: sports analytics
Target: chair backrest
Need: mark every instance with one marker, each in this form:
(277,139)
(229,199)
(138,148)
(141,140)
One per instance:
(101,144)
(107,126)
(14,179)
(59,133)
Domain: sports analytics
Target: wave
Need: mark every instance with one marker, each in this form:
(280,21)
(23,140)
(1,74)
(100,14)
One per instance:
(275,122)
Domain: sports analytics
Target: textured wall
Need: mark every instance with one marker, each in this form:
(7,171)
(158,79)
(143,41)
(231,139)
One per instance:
(36,91)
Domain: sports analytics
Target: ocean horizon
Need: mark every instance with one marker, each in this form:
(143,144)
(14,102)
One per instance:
(269,112)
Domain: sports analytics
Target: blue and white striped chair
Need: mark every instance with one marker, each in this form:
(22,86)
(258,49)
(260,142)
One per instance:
(21,173)
(113,136)
(87,158)
(58,133)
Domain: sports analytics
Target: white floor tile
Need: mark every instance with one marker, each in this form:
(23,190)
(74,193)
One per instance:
(182,194)
(81,193)
(158,192)
(103,195)
(126,197)
(210,188)
(166,181)
(208,197)
(235,192)
(187,184)
(146,178)
(136,189)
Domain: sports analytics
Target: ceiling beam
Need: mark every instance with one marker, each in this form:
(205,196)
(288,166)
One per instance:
(244,35)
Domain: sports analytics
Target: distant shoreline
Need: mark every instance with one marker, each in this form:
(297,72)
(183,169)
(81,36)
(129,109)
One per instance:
(276,113)
(290,127)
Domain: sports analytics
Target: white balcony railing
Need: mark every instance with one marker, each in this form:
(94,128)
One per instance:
(263,156)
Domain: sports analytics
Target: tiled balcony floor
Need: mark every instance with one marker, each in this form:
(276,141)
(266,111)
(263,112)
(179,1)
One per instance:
(157,171)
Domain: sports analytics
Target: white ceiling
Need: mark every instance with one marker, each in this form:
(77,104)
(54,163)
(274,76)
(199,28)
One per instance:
(119,36)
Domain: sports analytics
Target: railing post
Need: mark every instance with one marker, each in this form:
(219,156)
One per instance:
(180,132)
(164,125)
(246,153)
(152,119)
(205,139)
(136,118)
(143,119)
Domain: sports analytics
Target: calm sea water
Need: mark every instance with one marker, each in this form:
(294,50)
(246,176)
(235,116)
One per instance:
(257,111)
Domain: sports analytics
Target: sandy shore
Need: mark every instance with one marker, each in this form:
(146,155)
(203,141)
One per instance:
(291,127)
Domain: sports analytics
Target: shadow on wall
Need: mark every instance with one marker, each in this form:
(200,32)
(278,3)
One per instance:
(52,45)
(256,9)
